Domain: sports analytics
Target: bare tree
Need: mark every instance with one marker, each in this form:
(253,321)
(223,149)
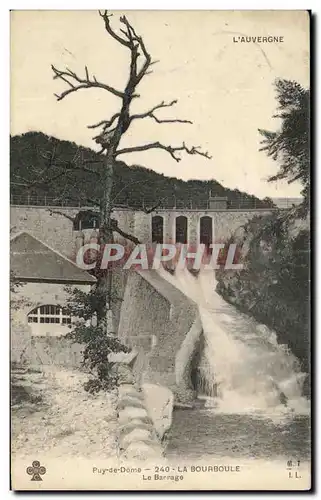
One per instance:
(112,129)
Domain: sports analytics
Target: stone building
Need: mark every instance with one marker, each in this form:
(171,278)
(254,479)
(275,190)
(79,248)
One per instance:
(41,275)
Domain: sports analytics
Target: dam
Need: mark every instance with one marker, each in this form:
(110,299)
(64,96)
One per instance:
(234,385)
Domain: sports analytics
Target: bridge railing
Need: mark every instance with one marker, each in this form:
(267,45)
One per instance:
(47,201)
(170,202)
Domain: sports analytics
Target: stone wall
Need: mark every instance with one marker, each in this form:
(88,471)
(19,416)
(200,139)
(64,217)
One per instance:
(57,351)
(228,221)
(155,319)
(31,295)
(138,438)
(57,231)
(41,343)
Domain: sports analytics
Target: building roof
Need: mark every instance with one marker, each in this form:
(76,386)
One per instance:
(33,260)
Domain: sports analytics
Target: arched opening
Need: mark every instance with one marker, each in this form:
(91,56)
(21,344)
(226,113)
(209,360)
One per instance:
(181,229)
(49,320)
(86,219)
(206,230)
(157,229)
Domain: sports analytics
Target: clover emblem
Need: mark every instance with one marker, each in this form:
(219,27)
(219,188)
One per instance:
(36,471)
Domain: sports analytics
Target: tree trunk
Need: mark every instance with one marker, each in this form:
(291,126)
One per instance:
(106,237)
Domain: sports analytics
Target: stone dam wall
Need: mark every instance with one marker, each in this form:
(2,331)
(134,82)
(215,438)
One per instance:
(50,224)
(156,320)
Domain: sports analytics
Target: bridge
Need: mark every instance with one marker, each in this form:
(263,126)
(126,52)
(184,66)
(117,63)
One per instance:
(66,228)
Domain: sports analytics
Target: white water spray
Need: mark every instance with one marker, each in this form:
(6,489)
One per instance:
(245,366)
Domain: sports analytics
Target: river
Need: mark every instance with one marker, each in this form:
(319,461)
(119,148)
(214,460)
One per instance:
(199,433)
(254,405)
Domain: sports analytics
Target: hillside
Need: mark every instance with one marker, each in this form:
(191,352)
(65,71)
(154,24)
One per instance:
(132,186)
(274,284)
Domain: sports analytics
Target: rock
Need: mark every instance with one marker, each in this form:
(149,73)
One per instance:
(159,402)
(127,358)
(130,390)
(184,406)
(130,412)
(143,420)
(125,375)
(130,401)
(136,424)
(142,450)
(135,435)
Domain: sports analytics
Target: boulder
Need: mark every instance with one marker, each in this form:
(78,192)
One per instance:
(131,412)
(125,374)
(143,450)
(136,423)
(126,358)
(136,434)
(126,401)
(129,390)
(159,401)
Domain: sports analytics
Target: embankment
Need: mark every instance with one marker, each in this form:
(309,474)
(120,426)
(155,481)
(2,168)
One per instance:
(155,320)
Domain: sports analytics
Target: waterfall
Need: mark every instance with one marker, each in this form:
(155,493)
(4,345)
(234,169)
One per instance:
(244,368)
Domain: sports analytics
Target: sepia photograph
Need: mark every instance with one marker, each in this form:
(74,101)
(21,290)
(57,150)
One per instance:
(160,322)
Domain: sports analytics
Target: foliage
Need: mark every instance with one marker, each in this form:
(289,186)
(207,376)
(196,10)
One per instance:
(130,185)
(15,285)
(273,285)
(290,145)
(97,344)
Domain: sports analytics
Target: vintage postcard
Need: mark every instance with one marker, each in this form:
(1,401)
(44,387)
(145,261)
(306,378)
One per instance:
(160,250)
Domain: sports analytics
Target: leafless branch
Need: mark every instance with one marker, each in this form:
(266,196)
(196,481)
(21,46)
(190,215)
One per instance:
(123,188)
(114,227)
(150,210)
(133,42)
(40,182)
(58,212)
(142,46)
(194,150)
(119,39)
(105,123)
(82,168)
(77,83)
(150,114)
(94,202)
(70,165)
